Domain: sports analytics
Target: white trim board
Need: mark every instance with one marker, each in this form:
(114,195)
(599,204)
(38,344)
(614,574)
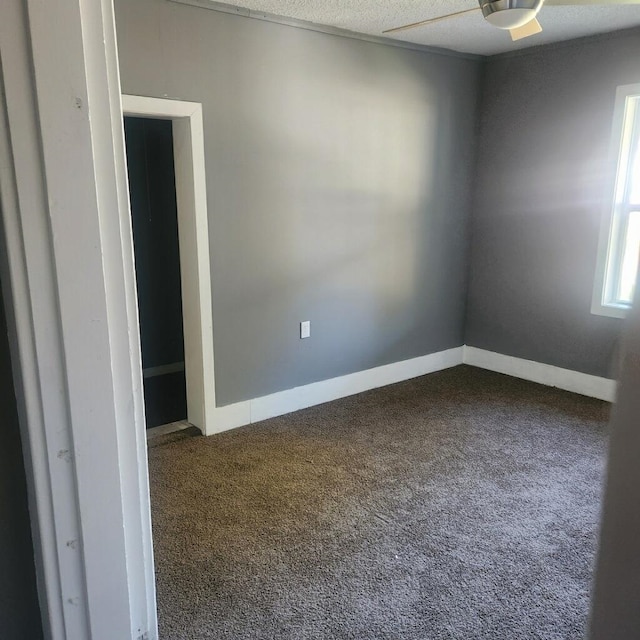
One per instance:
(282,402)
(70,294)
(193,238)
(278,404)
(581,383)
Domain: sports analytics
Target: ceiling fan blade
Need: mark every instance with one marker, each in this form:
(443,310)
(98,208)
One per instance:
(569,3)
(413,25)
(530,29)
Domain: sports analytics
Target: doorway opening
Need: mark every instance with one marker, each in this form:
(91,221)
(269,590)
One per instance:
(165,154)
(154,221)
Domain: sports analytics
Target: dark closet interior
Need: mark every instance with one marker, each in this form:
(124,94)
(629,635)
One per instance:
(152,192)
(19,608)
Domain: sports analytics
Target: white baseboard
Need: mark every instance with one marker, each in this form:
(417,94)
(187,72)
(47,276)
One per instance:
(277,404)
(582,383)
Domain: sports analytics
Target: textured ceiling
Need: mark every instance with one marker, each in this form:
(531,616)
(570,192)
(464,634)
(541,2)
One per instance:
(469,33)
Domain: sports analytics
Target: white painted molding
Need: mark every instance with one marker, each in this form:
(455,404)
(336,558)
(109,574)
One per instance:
(163,108)
(193,238)
(581,383)
(277,404)
(283,402)
(73,315)
(605,282)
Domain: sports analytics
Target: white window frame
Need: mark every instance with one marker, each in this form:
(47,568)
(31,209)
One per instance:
(616,213)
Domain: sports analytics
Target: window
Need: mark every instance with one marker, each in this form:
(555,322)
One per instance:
(620,235)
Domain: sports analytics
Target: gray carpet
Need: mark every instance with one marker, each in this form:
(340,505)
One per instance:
(463,505)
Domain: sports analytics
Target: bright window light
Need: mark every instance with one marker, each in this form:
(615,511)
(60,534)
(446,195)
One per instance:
(620,236)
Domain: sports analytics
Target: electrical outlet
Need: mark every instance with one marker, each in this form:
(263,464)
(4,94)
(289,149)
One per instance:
(305,329)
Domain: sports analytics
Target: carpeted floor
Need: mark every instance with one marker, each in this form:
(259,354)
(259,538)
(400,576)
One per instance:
(463,505)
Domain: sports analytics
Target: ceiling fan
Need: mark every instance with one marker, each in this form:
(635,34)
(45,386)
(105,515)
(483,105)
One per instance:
(516,16)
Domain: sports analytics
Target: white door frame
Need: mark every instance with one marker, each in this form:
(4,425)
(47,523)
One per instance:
(72,313)
(193,235)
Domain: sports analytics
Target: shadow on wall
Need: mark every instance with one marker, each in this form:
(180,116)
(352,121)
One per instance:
(338,181)
(354,217)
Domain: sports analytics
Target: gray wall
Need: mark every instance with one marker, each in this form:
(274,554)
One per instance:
(338,176)
(19,610)
(543,149)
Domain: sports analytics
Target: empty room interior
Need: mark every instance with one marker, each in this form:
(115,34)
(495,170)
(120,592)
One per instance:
(382,286)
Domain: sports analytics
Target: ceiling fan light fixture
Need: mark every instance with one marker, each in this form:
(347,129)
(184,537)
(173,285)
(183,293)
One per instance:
(510,14)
